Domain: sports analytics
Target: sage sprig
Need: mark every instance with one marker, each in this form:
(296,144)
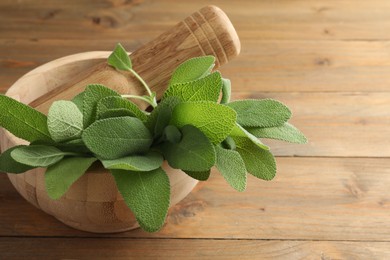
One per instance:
(193,128)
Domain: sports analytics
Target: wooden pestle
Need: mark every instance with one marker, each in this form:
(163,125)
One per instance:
(206,32)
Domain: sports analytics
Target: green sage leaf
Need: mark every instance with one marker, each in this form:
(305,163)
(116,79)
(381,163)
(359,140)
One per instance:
(119,58)
(23,121)
(147,194)
(9,165)
(232,167)
(117,102)
(93,94)
(260,113)
(194,152)
(115,112)
(78,100)
(147,162)
(192,69)
(258,162)
(64,121)
(200,176)
(226,91)
(241,132)
(204,89)
(285,132)
(38,155)
(60,176)
(113,138)
(214,120)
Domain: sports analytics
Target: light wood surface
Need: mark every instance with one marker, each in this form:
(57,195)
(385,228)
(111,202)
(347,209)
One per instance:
(328,60)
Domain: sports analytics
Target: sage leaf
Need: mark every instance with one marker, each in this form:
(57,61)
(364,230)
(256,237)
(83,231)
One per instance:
(194,152)
(232,167)
(38,155)
(147,162)
(200,176)
(9,165)
(147,194)
(78,100)
(258,162)
(192,69)
(241,132)
(93,94)
(226,91)
(23,121)
(119,58)
(113,138)
(285,132)
(117,102)
(214,120)
(115,112)
(260,113)
(204,89)
(60,176)
(64,121)
(158,118)
(172,134)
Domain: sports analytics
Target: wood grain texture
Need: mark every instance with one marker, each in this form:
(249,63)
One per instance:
(310,199)
(39,248)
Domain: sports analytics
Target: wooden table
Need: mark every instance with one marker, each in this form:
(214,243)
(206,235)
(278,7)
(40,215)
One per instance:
(329,61)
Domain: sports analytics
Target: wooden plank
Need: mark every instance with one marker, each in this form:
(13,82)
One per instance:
(311,198)
(282,20)
(60,248)
(269,66)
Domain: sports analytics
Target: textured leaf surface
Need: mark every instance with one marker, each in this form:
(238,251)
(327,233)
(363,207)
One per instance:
(9,165)
(115,112)
(200,176)
(64,121)
(38,155)
(114,138)
(260,113)
(93,94)
(258,162)
(205,89)
(145,162)
(60,176)
(226,91)
(119,58)
(241,132)
(214,120)
(286,132)
(192,69)
(194,152)
(232,167)
(78,100)
(117,102)
(157,120)
(147,194)
(23,121)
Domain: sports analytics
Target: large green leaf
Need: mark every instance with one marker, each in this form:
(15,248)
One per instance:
(232,167)
(204,89)
(214,120)
(258,162)
(116,102)
(60,176)
(9,165)
(285,132)
(119,58)
(93,94)
(194,152)
(192,69)
(147,194)
(260,113)
(113,138)
(38,155)
(116,112)
(147,162)
(241,132)
(23,121)
(64,121)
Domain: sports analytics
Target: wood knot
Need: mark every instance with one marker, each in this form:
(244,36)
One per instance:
(322,62)
(183,211)
(50,14)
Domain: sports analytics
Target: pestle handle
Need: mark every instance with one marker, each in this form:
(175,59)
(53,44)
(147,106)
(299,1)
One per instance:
(206,32)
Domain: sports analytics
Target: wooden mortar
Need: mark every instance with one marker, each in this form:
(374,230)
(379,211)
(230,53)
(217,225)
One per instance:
(93,203)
